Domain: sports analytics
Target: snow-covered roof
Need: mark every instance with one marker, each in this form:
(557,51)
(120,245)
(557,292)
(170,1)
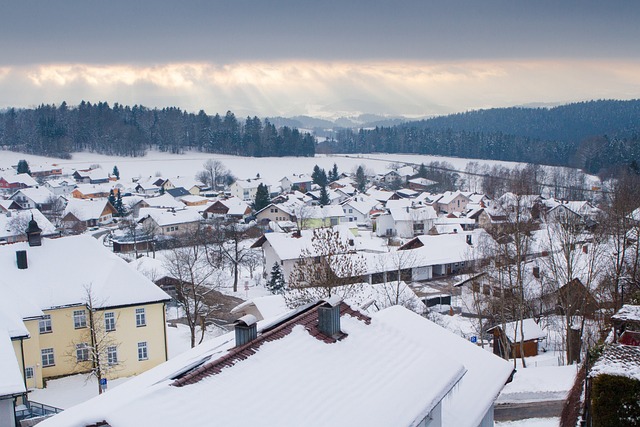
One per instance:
(422,213)
(628,312)
(59,271)
(235,205)
(422,181)
(163,201)
(530,328)
(94,188)
(297,179)
(39,195)
(380,195)
(85,209)
(17,222)
(21,178)
(382,373)
(362,203)
(164,217)
(11,381)
(251,183)
(185,182)
(449,196)
(618,360)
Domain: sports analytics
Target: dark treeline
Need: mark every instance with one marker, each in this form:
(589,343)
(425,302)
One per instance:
(597,136)
(129,131)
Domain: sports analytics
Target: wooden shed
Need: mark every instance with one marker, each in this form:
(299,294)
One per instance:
(507,340)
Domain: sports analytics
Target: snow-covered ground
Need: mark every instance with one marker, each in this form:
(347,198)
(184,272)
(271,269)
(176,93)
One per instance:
(272,168)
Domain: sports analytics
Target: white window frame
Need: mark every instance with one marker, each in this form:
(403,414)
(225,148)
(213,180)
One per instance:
(112,355)
(109,321)
(82,352)
(47,357)
(29,372)
(141,317)
(44,325)
(143,351)
(79,319)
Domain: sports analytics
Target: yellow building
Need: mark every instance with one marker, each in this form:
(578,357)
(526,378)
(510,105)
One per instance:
(73,297)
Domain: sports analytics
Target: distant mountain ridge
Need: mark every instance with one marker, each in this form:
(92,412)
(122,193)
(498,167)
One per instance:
(598,136)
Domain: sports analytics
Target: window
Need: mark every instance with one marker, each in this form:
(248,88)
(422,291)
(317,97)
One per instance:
(28,372)
(109,321)
(112,355)
(47,357)
(141,318)
(142,351)
(82,352)
(79,319)
(45,324)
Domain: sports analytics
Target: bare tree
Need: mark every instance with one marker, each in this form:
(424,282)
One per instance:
(230,239)
(213,174)
(194,281)
(96,352)
(573,254)
(55,209)
(329,267)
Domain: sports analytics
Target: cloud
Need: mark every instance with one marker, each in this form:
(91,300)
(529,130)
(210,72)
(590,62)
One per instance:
(314,87)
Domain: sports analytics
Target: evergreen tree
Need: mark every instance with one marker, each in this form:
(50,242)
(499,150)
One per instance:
(324,196)
(262,198)
(116,172)
(422,172)
(333,173)
(23,167)
(112,199)
(319,176)
(119,206)
(361,179)
(276,281)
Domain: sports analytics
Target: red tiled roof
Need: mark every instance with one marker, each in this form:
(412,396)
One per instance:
(307,318)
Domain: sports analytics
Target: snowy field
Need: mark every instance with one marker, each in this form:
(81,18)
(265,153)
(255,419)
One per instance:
(270,168)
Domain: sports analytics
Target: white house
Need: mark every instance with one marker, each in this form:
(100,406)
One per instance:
(406,222)
(301,182)
(245,189)
(358,208)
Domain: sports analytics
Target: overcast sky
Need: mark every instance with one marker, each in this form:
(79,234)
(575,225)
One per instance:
(414,57)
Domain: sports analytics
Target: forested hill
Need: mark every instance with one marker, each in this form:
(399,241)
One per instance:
(129,131)
(597,136)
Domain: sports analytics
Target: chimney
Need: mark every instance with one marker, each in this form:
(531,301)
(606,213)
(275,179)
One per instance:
(34,233)
(329,316)
(469,239)
(21,259)
(246,329)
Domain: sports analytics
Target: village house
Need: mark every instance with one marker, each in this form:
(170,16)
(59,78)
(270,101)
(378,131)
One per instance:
(301,182)
(170,222)
(406,222)
(34,197)
(451,201)
(91,176)
(149,186)
(38,171)
(232,208)
(192,185)
(48,283)
(454,383)
(80,214)
(245,189)
(507,340)
(60,187)
(273,212)
(420,184)
(15,182)
(358,209)
(93,191)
